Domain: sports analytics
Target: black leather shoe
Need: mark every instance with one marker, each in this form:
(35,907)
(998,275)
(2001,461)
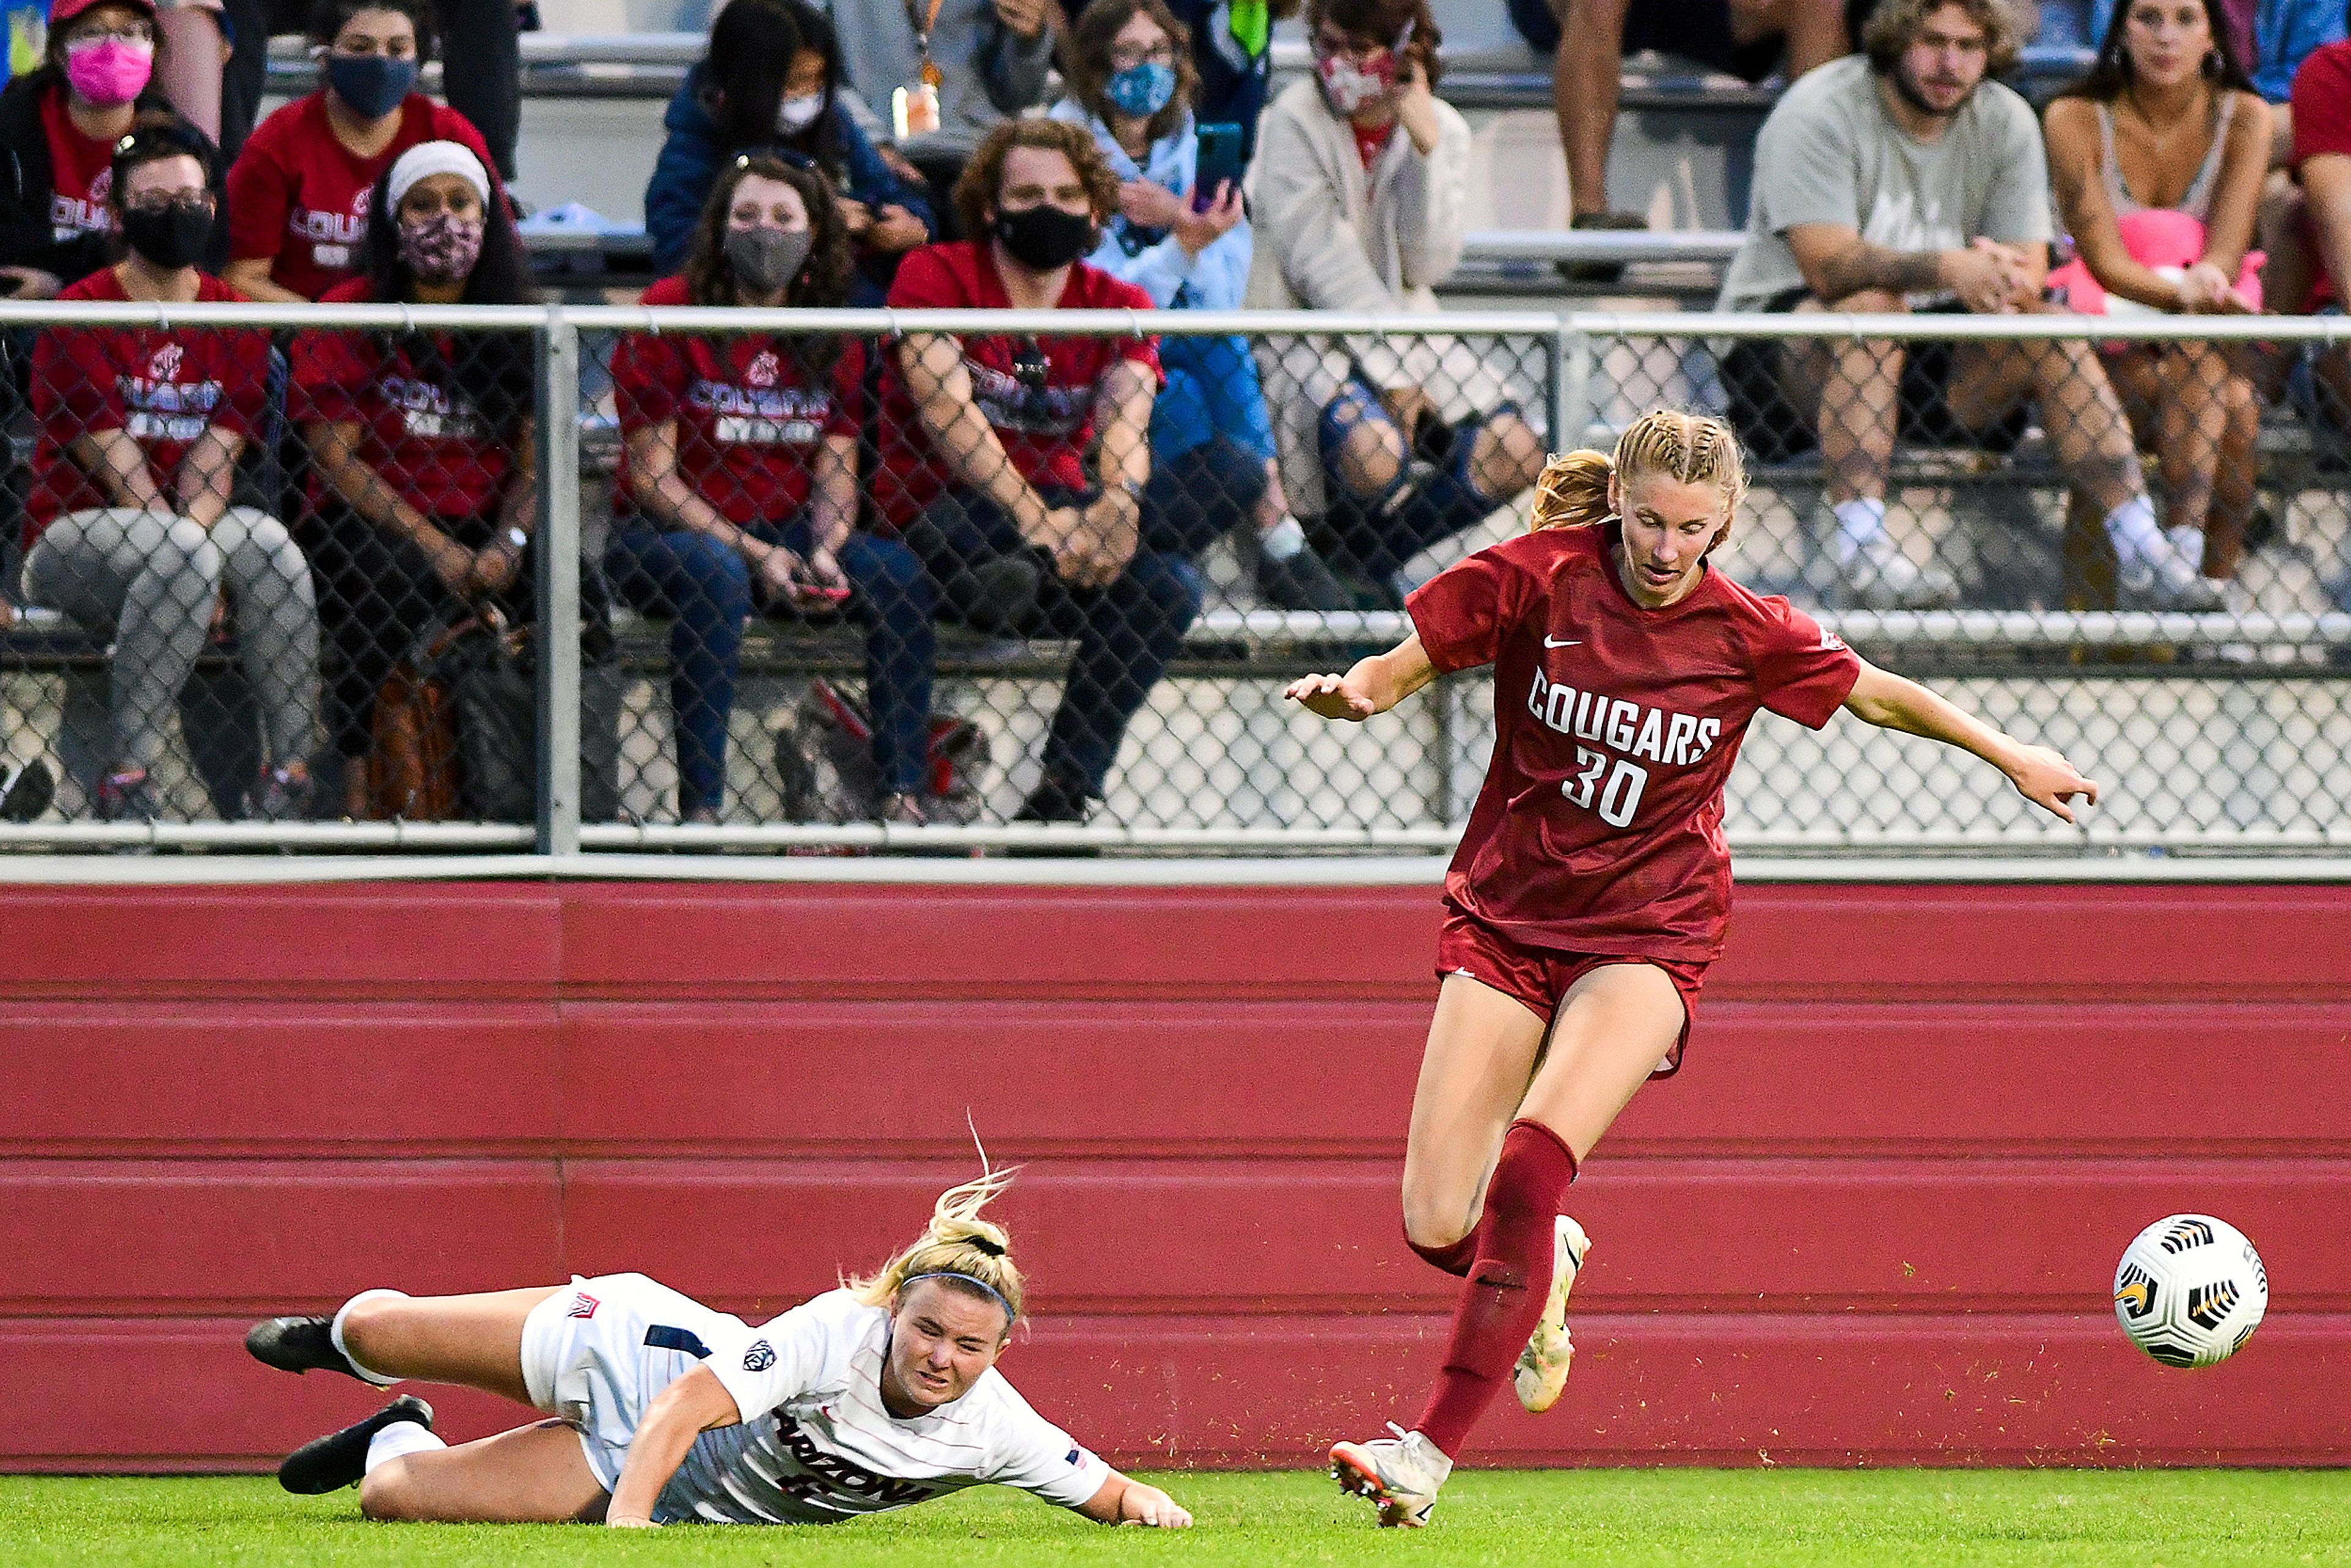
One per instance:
(339,1458)
(26,791)
(298,1344)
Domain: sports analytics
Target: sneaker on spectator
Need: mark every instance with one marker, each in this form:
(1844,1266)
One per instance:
(2165,579)
(1302,582)
(1601,271)
(1879,576)
(1003,592)
(26,791)
(128,797)
(285,795)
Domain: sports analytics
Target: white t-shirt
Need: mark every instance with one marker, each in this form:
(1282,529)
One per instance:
(815,1446)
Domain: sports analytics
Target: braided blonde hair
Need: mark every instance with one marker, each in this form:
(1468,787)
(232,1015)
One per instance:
(956,1242)
(1572,491)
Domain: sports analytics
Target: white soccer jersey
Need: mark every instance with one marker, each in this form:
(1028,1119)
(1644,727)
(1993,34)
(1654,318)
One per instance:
(815,1446)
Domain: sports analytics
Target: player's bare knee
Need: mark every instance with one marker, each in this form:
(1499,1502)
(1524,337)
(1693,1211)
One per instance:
(1371,458)
(1430,1219)
(390,1492)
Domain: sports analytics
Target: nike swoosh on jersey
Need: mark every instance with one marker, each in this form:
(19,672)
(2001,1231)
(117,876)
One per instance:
(1563,642)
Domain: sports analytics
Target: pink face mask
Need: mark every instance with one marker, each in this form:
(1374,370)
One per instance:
(1347,86)
(108,71)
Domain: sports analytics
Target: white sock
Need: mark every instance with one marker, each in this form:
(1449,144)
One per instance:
(1282,540)
(400,1438)
(1860,523)
(2138,535)
(2188,544)
(378,1378)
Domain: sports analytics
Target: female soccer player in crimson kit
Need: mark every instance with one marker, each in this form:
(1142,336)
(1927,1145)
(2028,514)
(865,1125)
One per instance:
(1592,885)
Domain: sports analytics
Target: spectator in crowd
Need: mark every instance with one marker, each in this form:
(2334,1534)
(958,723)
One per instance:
(300,193)
(1018,467)
(1232,58)
(2166,138)
(1130,75)
(940,73)
(1358,190)
(740,484)
(1588,40)
(420,443)
(2285,34)
(59,126)
(772,83)
(1901,179)
(2322,164)
(134,528)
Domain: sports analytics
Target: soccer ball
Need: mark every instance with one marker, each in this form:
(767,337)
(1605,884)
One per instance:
(2190,1291)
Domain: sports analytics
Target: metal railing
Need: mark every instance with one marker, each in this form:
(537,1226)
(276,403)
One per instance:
(2223,730)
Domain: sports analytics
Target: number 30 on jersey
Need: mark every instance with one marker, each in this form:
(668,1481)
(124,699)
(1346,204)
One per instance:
(1617,799)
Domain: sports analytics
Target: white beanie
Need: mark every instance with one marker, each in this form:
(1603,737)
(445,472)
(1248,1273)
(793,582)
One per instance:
(428,158)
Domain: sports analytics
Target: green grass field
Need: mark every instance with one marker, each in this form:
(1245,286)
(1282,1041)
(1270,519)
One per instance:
(2144,1519)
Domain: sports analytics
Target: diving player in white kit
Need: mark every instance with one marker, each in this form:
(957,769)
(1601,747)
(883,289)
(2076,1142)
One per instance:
(878,1395)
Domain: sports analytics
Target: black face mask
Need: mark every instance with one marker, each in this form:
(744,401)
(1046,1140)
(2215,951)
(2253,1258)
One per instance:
(169,238)
(1044,237)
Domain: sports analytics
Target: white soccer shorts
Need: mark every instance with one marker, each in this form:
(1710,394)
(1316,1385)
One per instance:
(594,1356)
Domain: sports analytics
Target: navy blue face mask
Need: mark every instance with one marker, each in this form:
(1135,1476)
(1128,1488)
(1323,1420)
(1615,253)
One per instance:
(371,84)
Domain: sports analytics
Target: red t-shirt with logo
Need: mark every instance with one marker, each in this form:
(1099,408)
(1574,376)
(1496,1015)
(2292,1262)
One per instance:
(1038,393)
(164,385)
(424,435)
(1599,829)
(81,172)
(2322,125)
(750,414)
(300,197)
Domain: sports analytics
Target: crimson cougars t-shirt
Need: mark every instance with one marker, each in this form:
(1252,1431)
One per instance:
(300,197)
(81,170)
(2321,126)
(750,416)
(1599,826)
(424,435)
(1038,393)
(165,385)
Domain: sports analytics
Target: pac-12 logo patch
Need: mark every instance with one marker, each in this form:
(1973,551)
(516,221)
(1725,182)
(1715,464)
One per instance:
(760,1357)
(583,1305)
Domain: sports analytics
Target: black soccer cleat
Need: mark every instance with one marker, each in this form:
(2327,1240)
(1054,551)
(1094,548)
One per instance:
(339,1458)
(300,1345)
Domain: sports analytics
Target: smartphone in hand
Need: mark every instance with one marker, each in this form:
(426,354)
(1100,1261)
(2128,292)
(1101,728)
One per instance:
(1220,165)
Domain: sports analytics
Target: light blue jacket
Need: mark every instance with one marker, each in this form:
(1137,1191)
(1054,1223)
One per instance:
(1156,263)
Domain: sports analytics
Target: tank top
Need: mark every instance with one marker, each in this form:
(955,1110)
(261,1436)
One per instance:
(2198,201)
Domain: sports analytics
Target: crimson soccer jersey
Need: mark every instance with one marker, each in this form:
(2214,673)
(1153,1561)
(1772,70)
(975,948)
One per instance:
(164,385)
(1038,393)
(1599,826)
(300,197)
(81,172)
(750,417)
(424,435)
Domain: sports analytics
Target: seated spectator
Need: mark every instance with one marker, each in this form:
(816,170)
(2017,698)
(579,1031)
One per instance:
(1130,76)
(941,73)
(1898,180)
(1359,187)
(1018,467)
(2322,162)
(1231,56)
(1588,40)
(420,443)
(134,529)
(772,83)
(300,193)
(59,126)
(2166,115)
(741,483)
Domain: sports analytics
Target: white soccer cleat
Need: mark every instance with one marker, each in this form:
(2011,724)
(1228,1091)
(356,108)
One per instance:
(1400,1473)
(1541,1374)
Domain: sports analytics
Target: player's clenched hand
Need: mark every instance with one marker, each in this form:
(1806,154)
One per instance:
(1140,1504)
(1331,696)
(2044,778)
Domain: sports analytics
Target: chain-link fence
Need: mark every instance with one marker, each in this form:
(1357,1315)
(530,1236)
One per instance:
(620,577)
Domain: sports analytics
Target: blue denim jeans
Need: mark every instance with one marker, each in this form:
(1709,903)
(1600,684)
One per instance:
(1212,390)
(705,587)
(1384,530)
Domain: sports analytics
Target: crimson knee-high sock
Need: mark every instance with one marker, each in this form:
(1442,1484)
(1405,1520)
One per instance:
(1454,1257)
(1503,1297)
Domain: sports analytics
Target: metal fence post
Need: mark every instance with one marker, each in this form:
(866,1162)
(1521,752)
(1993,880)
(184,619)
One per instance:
(1570,372)
(557,439)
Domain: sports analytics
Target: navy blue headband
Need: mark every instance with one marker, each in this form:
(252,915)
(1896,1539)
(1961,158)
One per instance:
(1010,1317)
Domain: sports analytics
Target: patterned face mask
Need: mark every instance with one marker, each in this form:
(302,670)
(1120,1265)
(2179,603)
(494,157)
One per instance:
(1347,86)
(1142,90)
(442,248)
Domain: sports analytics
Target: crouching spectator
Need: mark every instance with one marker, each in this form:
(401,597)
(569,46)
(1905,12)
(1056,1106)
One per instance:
(1901,180)
(1359,188)
(1020,466)
(2158,157)
(135,530)
(741,483)
(421,452)
(1131,79)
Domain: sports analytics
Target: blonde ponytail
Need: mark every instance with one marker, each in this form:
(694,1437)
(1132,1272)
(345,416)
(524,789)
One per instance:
(957,1242)
(1572,491)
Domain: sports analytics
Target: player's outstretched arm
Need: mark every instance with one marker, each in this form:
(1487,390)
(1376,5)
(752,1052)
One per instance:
(2040,775)
(1374,685)
(1123,1502)
(678,1414)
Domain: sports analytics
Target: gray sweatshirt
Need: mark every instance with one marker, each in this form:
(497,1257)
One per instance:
(991,73)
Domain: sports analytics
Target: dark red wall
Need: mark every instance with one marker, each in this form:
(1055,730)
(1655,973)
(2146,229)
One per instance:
(1874,1219)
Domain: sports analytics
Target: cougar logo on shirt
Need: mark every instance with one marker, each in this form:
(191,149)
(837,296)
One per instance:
(764,371)
(828,1471)
(766,415)
(160,406)
(1011,403)
(760,1356)
(165,364)
(430,412)
(73,215)
(1628,728)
